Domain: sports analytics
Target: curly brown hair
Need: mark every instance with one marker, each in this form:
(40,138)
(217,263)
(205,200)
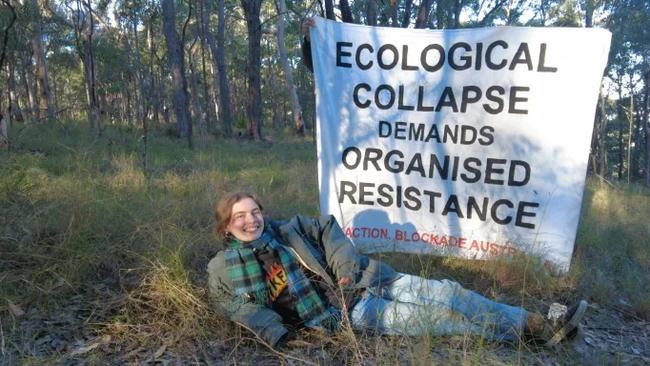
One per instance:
(223,210)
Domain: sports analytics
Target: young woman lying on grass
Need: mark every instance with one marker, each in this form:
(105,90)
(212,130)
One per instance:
(278,276)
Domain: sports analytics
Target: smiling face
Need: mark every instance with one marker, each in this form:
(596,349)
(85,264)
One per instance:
(246,221)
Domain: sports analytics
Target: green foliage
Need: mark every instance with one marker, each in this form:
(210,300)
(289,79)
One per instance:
(566,14)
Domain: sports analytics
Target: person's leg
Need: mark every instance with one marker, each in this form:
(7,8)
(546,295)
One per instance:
(506,322)
(382,316)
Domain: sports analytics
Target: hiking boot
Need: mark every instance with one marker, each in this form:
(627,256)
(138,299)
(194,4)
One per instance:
(562,322)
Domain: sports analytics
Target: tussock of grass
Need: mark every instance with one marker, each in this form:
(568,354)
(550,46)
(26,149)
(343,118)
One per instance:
(164,308)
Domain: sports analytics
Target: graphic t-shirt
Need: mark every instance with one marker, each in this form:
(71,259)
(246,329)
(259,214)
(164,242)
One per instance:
(276,279)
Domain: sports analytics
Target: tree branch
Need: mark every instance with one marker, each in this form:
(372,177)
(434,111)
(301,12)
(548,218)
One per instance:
(189,16)
(5,38)
(487,16)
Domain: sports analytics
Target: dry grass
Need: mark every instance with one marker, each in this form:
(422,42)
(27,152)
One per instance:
(165,308)
(612,260)
(83,231)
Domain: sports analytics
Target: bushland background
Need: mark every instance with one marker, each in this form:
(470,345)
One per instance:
(124,121)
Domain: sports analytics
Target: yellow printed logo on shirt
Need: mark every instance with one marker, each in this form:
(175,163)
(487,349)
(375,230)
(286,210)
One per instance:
(277,280)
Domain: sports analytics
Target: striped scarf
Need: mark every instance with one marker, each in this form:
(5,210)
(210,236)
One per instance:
(247,277)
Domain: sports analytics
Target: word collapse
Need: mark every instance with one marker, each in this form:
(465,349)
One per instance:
(384,97)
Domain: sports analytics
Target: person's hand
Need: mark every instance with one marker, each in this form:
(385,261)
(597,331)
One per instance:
(308,23)
(345,281)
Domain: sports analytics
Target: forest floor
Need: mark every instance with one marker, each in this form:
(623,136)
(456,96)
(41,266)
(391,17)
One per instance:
(73,333)
(104,263)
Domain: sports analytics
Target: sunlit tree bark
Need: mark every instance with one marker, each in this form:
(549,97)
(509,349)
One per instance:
(254,62)
(176,56)
(296,110)
(46,104)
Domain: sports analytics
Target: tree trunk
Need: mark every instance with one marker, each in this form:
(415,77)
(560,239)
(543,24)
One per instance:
(329,10)
(371,14)
(126,109)
(458,6)
(219,63)
(196,103)
(30,94)
(629,135)
(423,14)
(176,56)
(15,112)
(408,5)
(5,32)
(637,140)
(594,156)
(392,8)
(296,110)
(602,142)
(46,105)
(142,96)
(208,106)
(646,121)
(254,102)
(224,84)
(155,85)
(272,85)
(620,116)
(4,135)
(589,13)
(346,12)
(91,82)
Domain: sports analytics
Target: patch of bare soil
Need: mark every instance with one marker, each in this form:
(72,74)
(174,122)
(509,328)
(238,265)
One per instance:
(73,333)
(613,336)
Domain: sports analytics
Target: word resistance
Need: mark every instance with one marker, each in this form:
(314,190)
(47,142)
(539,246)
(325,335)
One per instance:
(501,211)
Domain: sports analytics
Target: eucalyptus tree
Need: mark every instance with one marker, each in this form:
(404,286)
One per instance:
(196,110)
(129,15)
(6,30)
(254,61)
(296,110)
(46,101)
(176,54)
(629,67)
(208,118)
(224,85)
(218,51)
(16,38)
(4,136)
(83,23)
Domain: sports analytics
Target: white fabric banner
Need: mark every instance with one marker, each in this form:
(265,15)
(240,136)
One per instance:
(469,142)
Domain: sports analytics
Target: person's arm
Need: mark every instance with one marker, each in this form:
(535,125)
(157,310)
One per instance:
(305,44)
(340,254)
(265,323)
